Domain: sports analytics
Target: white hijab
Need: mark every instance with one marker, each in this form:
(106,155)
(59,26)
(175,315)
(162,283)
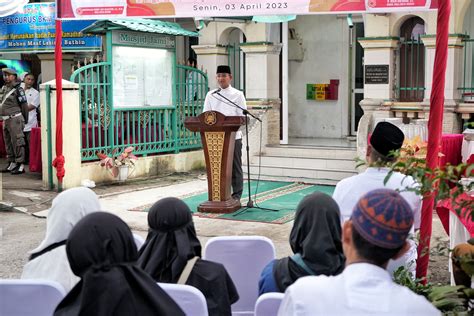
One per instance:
(68,208)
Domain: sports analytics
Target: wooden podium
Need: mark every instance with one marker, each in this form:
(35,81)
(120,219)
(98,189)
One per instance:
(218,140)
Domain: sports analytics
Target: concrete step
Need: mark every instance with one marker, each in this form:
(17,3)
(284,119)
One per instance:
(311,164)
(310,152)
(308,175)
(305,162)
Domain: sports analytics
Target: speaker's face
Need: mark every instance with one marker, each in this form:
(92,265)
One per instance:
(224,79)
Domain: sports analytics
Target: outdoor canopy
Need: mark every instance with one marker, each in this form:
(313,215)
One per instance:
(99,9)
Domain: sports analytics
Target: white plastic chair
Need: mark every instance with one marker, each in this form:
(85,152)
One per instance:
(189,298)
(244,258)
(139,241)
(29,297)
(268,304)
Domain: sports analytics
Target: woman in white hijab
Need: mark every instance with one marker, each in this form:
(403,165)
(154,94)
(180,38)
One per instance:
(49,260)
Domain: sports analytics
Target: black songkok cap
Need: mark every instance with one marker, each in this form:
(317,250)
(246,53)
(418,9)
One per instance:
(386,138)
(223,69)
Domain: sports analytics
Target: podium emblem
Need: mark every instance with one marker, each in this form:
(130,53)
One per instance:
(210,118)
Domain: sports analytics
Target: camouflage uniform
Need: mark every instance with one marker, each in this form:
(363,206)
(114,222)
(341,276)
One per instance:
(13,122)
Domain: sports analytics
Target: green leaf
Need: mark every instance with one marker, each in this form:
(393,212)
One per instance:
(469,170)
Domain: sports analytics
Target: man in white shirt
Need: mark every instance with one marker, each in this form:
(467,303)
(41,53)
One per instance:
(376,232)
(216,101)
(33,99)
(385,139)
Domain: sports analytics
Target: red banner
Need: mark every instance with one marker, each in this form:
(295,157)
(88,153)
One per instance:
(94,9)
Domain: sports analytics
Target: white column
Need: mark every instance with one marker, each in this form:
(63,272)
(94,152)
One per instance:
(261,70)
(380,51)
(454,77)
(284,111)
(262,86)
(71,133)
(454,70)
(208,58)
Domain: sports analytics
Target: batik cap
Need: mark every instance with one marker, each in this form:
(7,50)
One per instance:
(383,218)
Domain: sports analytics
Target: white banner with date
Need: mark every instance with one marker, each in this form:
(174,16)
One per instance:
(94,9)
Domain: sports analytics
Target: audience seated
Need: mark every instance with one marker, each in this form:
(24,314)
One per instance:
(316,243)
(385,139)
(49,260)
(171,254)
(376,232)
(102,252)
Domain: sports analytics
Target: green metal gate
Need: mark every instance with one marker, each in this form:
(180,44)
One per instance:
(191,89)
(150,130)
(467,88)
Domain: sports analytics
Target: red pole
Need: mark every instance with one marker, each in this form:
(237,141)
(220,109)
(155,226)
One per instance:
(435,126)
(58,162)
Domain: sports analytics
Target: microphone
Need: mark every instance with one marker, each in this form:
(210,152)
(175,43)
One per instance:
(217,91)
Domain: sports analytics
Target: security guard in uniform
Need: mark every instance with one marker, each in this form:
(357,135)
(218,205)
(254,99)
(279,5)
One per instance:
(13,99)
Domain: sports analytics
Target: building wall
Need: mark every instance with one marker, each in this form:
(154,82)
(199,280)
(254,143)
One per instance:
(468,28)
(326,48)
(468,25)
(468,20)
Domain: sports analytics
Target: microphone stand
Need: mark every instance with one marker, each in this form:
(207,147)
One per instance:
(250,203)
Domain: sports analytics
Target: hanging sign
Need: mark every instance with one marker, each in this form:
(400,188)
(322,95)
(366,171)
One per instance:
(397,5)
(33,30)
(143,39)
(93,9)
(376,74)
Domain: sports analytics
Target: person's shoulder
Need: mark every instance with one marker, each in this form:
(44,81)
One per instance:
(398,175)
(209,270)
(235,90)
(210,92)
(419,305)
(18,87)
(313,283)
(403,181)
(348,181)
(210,265)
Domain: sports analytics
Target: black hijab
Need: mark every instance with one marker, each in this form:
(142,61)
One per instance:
(171,241)
(102,252)
(316,238)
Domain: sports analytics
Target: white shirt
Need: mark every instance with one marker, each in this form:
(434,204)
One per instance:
(215,102)
(350,190)
(361,289)
(33,98)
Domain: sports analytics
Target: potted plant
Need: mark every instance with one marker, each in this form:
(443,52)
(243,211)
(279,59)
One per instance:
(119,164)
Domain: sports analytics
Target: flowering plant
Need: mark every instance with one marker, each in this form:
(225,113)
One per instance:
(415,150)
(116,160)
(415,147)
